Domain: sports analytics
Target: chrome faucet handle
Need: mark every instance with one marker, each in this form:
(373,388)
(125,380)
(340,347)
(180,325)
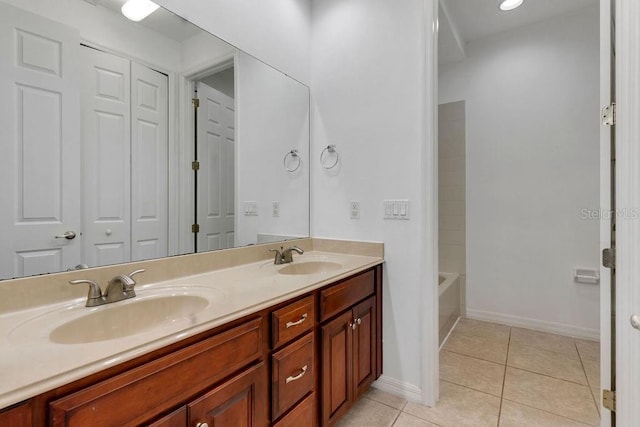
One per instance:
(278,257)
(94,297)
(287,254)
(128,287)
(133,273)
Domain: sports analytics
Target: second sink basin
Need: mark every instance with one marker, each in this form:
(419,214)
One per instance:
(310,267)
(128,319)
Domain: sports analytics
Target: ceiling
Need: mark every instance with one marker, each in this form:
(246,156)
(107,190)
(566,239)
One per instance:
(463,21)
(161,21)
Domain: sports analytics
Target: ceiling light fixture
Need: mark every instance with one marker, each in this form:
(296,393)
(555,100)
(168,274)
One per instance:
(137,10)
(510,4)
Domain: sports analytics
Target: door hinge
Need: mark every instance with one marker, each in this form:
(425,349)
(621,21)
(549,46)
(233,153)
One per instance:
(609,400)
(195,102)
(195,228)
(609,257)
(195,165)
(609,114)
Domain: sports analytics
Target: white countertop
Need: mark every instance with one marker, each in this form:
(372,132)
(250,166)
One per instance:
(30,363)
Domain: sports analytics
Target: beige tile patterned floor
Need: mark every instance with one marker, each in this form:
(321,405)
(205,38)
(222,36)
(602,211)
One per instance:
(496,375)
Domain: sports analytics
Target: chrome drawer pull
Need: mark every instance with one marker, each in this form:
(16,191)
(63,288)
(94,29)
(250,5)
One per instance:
(297,322)
(297,377)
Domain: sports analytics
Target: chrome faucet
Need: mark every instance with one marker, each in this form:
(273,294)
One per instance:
(285,256)
(119,288)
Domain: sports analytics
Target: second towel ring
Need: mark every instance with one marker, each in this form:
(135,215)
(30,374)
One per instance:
(331,148)
(294,155)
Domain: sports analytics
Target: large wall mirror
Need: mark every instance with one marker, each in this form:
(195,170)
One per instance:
(125,141)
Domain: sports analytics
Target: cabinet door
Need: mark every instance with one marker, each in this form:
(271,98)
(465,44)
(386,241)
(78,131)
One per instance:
(177,418)
(337,389)
(240,402)
(364,345)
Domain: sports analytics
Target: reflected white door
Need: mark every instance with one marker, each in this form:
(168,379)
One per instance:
(149,163)
(40,139)
(216,177)
(106,158)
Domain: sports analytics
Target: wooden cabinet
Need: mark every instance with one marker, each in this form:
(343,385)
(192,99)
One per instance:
(293,320)
(241,401)
(16,416)
(293,374)
(349,347)
(141,394)
(299,363)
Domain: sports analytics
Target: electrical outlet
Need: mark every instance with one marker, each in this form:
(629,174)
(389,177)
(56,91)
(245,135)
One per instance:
(275,209)
(354,206)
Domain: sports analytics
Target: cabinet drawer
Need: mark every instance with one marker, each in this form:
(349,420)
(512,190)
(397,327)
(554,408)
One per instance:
(147,391)
(304,414)
(292,374)
(292,321)
(342,296)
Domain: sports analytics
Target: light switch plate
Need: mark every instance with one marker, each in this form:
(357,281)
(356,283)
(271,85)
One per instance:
(396,209)
(250,208)
(275,209)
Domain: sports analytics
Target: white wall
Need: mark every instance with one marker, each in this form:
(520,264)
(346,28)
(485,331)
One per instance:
(272,117)
(276,32)
(532,98)
(367,83)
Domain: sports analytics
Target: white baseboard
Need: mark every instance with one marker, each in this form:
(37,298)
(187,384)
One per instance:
(399,388)
(538,325)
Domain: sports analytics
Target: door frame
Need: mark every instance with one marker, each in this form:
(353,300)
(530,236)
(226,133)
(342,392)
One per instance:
(185,149)
(627,193)
(630,84)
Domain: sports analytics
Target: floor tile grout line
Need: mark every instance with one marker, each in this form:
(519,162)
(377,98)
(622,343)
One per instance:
(504,377)
(577,354)
(546,411)
(476,357)
(471,388)
(473,357)
(548,376)
(386,404)
(584,370)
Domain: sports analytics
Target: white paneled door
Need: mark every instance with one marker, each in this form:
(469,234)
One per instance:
(40,140)
(149,163)
(125,164)
(216,177)
(106,158)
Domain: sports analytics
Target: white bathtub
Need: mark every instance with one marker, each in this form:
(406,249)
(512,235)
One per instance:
(449,291)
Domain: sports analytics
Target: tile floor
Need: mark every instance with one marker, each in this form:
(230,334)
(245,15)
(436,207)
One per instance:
(496,375)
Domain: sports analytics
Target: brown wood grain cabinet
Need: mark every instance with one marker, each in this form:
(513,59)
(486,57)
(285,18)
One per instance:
(302,362)
(349,352)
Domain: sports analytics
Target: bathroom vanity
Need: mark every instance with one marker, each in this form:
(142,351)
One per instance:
(286,345)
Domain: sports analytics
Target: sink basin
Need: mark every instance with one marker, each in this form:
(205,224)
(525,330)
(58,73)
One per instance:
(118,321)
(310,267)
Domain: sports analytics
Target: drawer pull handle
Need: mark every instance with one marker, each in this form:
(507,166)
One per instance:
(297,322)
(297,377)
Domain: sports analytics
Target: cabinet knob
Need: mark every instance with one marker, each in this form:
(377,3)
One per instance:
(353,325)
(202,425)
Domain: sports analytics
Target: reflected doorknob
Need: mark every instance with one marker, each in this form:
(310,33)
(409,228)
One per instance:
(69,235)
(635,321)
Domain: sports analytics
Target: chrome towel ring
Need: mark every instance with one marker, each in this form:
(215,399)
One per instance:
(331,149)
(294,155)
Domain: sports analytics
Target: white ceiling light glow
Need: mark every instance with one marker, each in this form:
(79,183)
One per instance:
(510,4)
(137,10)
